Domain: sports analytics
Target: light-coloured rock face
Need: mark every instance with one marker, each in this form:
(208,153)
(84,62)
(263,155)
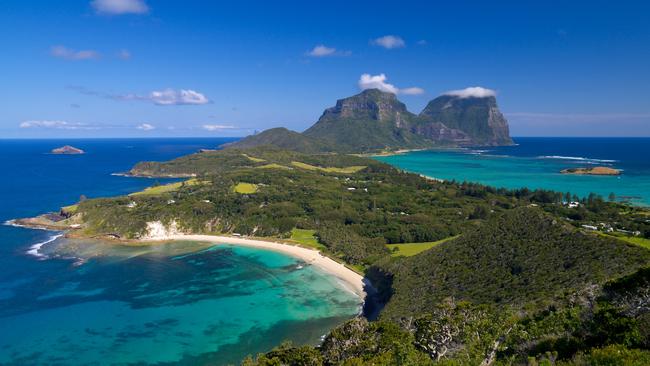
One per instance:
(479,119)
(156,230)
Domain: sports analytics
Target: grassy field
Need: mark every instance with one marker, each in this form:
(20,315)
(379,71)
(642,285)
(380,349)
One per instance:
(410,249)
(273,166)
(166,188)
(245,188)
(346,170)
(642,242)
(254,159)
(72,209)
(306,238)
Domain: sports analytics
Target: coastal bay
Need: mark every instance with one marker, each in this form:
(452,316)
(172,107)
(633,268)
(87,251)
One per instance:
(181,302)
(351,279)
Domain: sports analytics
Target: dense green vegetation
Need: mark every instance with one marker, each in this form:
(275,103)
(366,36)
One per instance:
(521,258)
(285,139)
(600,325)
(577,318)
(479,275)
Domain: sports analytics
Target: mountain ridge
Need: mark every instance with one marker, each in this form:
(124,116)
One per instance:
(373,120)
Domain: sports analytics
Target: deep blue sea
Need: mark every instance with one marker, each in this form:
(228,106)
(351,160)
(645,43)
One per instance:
(536,163)
(182,303)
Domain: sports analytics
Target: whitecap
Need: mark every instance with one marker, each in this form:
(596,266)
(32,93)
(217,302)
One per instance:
(577,158)
(34,249)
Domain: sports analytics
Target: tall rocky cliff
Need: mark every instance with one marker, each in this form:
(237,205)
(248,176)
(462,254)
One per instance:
(478,118)
(370,120)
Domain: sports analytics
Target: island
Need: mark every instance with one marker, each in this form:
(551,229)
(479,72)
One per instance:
(597,170)
(67,150)
(451,272)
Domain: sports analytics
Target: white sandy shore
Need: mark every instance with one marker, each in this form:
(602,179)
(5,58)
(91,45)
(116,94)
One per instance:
(350,279)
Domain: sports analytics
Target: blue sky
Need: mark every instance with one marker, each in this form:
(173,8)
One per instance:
(112,68)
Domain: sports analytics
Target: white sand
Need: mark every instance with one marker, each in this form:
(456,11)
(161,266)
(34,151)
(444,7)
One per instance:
(350,279)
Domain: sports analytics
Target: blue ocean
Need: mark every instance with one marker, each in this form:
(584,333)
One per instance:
(536,163)
(182,304)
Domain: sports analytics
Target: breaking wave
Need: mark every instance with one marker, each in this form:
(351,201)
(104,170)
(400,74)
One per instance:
(578,158)
(34,249)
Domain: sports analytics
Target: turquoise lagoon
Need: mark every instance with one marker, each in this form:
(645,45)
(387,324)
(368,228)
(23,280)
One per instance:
(537,162)
(148,306)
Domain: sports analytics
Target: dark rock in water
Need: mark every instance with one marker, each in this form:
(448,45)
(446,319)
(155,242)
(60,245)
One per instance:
(67,150)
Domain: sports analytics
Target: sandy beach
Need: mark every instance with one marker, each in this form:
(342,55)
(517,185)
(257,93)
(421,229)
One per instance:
(352,280)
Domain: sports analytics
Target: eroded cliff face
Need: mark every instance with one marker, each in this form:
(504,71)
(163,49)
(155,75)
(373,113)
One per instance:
(371,103)
(439,132)
(478,118)
(499,125)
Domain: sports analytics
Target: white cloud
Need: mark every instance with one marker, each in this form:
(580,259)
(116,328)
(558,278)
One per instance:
(389,42)
(145,127)
(124,54)
(117,7)
(217,127)
(70,54)
(472,92)
(159,97)
(324,51)
(367,81)
(61,125)
(321,51)
(177,97)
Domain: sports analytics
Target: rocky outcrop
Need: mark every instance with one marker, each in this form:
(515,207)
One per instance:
(67,150)
(478,118)
(370,120)
(597,170)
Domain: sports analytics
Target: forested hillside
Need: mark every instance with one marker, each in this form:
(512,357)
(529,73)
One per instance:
(523,258)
